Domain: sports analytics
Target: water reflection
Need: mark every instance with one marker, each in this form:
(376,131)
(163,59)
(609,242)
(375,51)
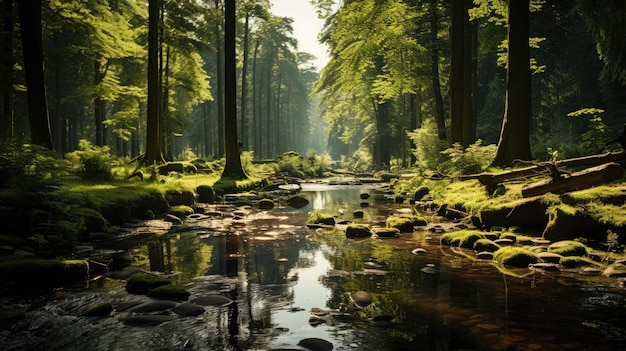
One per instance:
(278,272)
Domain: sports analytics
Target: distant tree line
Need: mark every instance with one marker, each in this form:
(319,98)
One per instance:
(93,59)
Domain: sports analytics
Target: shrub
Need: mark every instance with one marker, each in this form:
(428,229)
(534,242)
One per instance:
(94,162)
(473,159)
(428,146)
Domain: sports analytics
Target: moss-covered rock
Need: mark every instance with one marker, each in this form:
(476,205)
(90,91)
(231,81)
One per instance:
(569,248)
(266,204)
(205,194)
(143,283)
(169,292)
(42,274)
(485,245)
(318,217)
(515,256)
(405,222)
(576,261)
(358,231)
(387,232)
(462,238)
(358,213)
(181,211)
(617,269)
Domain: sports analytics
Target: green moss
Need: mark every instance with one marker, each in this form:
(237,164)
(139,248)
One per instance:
(143,283)
(462,238)
(515,256)
(569,248)
(318,217)
(169,292)
(576,261)
(607,213)
(404,222)
(509,236)
(181,211)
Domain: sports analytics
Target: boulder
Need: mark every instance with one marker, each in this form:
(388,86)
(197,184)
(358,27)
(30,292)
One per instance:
(99,309)
(361,299)
(186,309)
(206,194)
(297,201)
(169,292)
(266,204)
(358,231)
(177,167)
(179,197)
(143,283)
(515,256)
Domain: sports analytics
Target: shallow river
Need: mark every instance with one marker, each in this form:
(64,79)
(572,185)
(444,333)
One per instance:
(290,283)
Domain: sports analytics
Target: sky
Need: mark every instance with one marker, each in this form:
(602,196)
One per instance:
(306,27)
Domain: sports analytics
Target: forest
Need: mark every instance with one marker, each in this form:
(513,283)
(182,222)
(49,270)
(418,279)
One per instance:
(400,73)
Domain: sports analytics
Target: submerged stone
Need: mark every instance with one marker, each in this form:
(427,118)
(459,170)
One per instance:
(297,201)
(99,309)
(188,310)
(316,344)
(213,300)
(143,283)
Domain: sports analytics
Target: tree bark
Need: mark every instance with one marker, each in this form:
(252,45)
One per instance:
(232,168)
(32,46)
(515,134)
(439,110)
(244,78)
(576,181)
(457,43)
(153,138)
(220,84)
(6,73)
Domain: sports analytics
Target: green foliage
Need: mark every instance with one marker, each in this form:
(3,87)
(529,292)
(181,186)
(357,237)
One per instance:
(313,166)
(474,159)
(593,139)
(93,162)
(428,146)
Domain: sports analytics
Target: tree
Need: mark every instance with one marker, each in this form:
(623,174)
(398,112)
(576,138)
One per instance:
(32,47)
(232,168)
(153,137)
(6,73)
(515,134)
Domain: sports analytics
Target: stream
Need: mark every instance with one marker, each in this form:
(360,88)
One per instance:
(291,289)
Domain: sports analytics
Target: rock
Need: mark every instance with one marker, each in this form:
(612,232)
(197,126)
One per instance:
(205,194)
(186,309)
(420,193)
(569,248)
(179,197)
(364,196)
(148,319)
(153,306)
(297,201)
(100,309)
(143,283)
(172,219)
(212,300)
(429,270)
(515,256)
(169,292)
(387,232)
(10,316)
(42,274)
(124,274)
(266,204)
(357,213)
(361,299)
(576,262)
(482,245)
(321,218)
(181,211)
(418,251)
(545,266)
(549,257)
(364,204)
(527,213)
(358,231)
(171,167)
(404,222)
(617,269)
(315,344)
(504,242)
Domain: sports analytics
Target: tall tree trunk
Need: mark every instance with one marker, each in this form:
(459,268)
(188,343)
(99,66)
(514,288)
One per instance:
(268,106)
(98,110)
(232,168)
(256,126)
(439,111)
(6,73)
(32,46)
(153,138)
(457,41)
(515,134)
(220,84)
(244,86)
(277,137)
(469,79)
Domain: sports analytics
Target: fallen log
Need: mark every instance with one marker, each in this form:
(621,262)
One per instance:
(491,180)
(576,181)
